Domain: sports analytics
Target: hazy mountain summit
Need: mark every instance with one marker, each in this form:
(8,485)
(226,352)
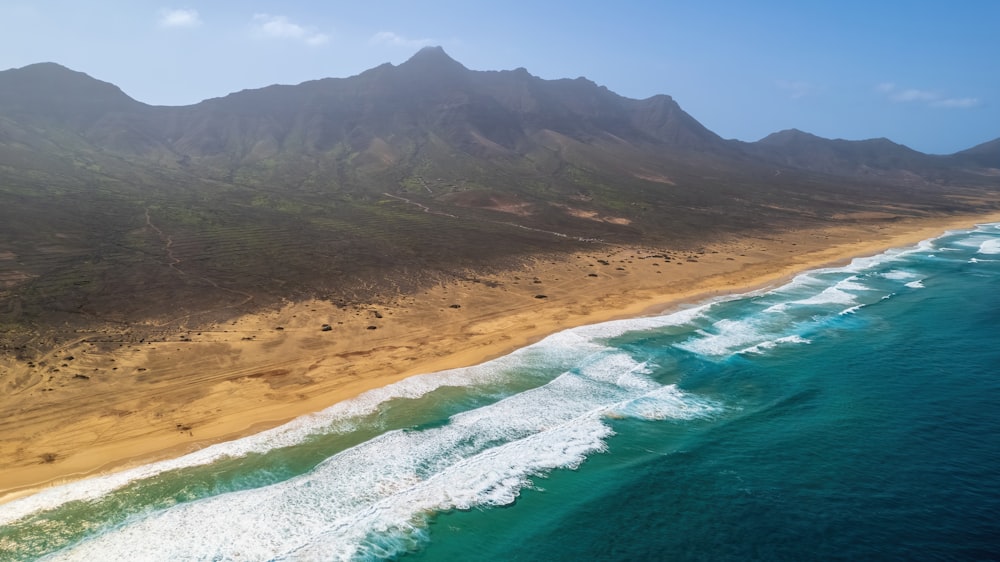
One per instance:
(54,89)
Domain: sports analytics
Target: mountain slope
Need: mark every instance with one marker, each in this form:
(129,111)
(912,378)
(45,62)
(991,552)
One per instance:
(985,155)
(48,91)
(803,150)
(338,186)
(872,160)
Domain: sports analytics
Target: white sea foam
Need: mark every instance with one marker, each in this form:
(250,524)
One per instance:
(762,331)
(801,282)
(807,284)
(724,337)
(852,283)
(990,247)
(852,309)
(823,289)
(771,344)
(830,295)
(664,403)
(983,242)
(615,328)
(388,485)
(331,513)
(868,263)
(618,369)
(918,284)
(836,294)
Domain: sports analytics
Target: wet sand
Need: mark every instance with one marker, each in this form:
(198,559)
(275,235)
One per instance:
(104,403)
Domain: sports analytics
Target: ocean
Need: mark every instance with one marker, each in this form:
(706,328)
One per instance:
(848,414)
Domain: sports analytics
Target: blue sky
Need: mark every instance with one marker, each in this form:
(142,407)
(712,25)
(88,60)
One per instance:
(922,73)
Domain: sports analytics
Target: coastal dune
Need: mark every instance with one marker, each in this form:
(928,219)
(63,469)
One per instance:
(105,402)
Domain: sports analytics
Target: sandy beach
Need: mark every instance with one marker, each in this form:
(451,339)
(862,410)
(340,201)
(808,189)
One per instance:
(105,401)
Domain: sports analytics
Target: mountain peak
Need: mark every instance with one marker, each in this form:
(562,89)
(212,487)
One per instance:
(988,147)
(52,88)
(52,74)
(789,137)
(433,57)
(44,67)
(431,51)
(986,154)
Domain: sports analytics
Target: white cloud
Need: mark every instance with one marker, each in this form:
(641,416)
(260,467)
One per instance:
(395,40)
(179,18)
(797,89)
(956,102)
(927,97)
(912,95)
(280,27)
(316,39)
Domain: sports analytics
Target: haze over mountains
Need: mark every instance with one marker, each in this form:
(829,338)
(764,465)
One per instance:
(354,187)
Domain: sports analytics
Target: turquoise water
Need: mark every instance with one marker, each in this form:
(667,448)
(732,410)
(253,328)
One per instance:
(850,414)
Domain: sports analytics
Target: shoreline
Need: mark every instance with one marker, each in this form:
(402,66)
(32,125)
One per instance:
(193,388)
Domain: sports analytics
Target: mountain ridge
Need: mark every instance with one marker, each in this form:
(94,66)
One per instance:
(432,58)
(381,124)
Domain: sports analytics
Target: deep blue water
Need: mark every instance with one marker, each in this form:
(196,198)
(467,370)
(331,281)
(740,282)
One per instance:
(851,414)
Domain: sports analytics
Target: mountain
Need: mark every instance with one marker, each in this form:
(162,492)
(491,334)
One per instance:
(985,155)
(870,159)
(48,91)
(797,149)
(336,187)
(383,119)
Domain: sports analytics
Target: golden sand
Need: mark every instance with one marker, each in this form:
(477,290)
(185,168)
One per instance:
(102,403)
